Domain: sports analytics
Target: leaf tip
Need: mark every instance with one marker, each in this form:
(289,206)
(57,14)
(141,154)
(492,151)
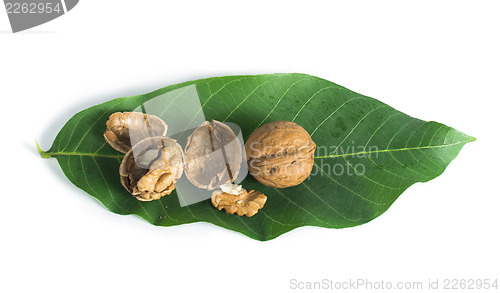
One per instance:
(41,152)
(470,138)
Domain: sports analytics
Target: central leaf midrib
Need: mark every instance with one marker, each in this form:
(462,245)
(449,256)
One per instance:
(120,156)
(394,150)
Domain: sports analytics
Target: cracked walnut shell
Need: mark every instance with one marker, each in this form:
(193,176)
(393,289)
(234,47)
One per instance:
(280,154)
(246,203)
(128,128)
(152,167)
(213,155)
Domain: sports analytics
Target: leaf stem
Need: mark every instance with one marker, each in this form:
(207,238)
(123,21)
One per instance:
(41,152)
(47,155)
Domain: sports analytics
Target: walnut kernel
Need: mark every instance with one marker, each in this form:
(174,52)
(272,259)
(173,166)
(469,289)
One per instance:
(152,167)
(238,200)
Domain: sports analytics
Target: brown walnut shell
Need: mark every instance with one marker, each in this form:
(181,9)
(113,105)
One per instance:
(128,128)
(280,154)
(213,155)
(152,167)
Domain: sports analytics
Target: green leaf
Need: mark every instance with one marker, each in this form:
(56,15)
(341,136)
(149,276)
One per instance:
(368,153)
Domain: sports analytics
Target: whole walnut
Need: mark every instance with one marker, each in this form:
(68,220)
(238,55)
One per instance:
(128,128)
(280,154)
(152,167)
(213,155)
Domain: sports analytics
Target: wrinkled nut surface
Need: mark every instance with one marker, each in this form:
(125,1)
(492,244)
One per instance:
(151,168)
(127,128)
(280,154)
(247,203)
(213,155)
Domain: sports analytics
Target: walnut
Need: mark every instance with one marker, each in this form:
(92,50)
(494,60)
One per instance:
(152,167)
(213,155)
(128,128)
(238,200)
(280,154)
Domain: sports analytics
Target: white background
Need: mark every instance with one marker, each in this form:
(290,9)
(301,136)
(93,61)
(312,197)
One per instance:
(435,60)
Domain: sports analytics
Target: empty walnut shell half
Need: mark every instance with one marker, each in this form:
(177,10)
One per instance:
(213,155)
(247,203)
(152,167)
(280,154)
(128,128)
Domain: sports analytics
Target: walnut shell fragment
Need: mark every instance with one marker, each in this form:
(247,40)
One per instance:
(213,155)
(152,167)
(280,154)
(128,128)
(246,203)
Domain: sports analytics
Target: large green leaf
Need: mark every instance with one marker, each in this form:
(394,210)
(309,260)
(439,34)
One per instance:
(368,153)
